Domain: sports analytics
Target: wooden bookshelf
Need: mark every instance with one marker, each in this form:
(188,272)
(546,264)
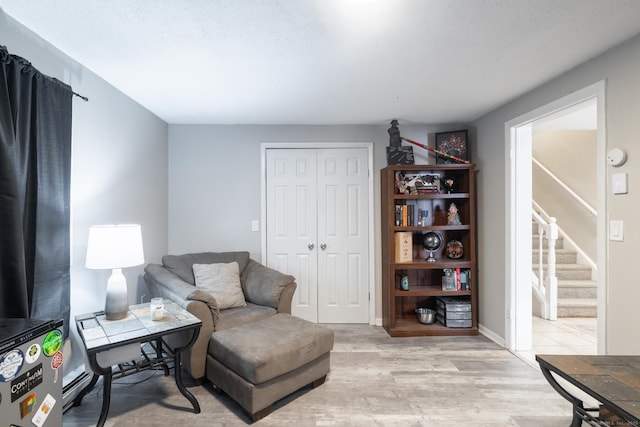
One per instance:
(425,277)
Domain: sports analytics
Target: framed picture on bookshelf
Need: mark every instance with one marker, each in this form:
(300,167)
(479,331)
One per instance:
(454,143)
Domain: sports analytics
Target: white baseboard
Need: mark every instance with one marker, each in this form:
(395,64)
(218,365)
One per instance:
(75,381)
(491,335)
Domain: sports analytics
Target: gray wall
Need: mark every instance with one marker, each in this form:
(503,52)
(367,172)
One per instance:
(619,66)
(119,170)
(214,180)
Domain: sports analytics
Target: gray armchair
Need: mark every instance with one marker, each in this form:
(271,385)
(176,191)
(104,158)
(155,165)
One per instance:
(267,292)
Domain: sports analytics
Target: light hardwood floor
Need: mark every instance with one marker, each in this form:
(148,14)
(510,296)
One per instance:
(375,380)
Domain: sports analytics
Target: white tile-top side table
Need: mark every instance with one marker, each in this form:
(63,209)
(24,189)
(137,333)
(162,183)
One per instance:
(104,338)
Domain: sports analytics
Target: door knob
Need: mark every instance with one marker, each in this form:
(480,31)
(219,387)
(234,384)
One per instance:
(323,246)
(311,246)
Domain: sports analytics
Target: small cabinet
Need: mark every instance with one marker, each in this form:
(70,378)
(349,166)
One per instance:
(421,205)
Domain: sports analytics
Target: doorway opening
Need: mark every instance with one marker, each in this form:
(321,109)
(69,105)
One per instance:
(519,137)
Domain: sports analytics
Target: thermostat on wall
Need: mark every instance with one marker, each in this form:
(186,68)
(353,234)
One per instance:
(616,157)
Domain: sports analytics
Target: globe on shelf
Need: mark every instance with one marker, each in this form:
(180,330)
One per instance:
(432,241)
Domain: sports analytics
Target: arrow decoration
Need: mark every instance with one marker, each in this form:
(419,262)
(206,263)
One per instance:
(433,150)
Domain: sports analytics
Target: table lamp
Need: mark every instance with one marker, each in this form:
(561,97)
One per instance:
(115,247)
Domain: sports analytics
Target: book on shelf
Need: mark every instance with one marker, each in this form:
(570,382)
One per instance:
(404,246)
(404,215)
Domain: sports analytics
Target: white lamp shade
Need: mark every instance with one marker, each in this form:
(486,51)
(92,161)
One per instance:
(114,246)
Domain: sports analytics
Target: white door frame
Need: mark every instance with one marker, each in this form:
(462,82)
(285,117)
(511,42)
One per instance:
(319,145)
(518,207)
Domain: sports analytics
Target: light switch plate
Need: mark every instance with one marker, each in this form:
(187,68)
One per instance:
(616,230)
(255,225)
(619,183)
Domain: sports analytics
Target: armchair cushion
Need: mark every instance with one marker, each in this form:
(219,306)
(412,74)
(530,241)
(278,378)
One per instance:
(222,280)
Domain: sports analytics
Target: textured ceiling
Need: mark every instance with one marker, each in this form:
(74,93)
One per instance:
(327,61)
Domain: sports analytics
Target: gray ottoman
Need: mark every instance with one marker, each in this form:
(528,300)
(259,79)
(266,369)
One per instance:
(259,363)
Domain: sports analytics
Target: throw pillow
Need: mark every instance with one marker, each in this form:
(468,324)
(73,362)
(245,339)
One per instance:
(222,280)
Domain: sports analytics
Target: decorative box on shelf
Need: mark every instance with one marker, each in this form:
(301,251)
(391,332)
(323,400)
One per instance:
(404,247)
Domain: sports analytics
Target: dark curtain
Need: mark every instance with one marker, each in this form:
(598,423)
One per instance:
(35,175)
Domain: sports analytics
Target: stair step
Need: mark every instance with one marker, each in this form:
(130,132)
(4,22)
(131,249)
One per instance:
(577,289)
(569,271)
(577,307)
(558,250)
(535,239)
(534,227)
(563,256)
(577,293)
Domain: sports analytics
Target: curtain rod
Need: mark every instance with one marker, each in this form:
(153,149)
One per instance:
(26,64)
(84,98)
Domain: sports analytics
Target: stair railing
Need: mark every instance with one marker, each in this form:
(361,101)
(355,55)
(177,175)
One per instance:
(545,284)
(564,186)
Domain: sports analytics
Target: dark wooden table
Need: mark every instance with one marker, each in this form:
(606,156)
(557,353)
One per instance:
(103,338)
(614,381)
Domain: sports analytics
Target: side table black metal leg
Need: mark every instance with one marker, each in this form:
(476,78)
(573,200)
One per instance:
(106,399)
(186,393)
(576,403)
(106,387)
(178,372)
(78,400)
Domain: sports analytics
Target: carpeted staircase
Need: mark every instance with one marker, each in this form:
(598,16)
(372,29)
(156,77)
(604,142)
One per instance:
(577,293)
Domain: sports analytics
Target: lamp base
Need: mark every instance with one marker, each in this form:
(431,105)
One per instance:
(116,304)
(116,316)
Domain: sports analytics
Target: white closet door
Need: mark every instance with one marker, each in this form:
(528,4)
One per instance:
(317,230)
(343,266)
(291,223)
